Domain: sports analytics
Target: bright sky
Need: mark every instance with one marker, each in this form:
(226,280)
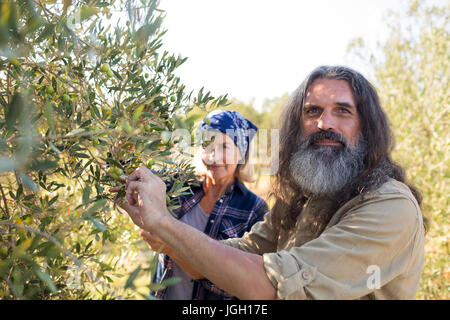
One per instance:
(258,49)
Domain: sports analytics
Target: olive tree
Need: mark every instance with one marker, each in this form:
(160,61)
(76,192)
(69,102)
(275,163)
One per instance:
(87,94)
(412,75)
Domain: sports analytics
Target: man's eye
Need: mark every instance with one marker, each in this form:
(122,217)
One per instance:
(312,110)
(344,110)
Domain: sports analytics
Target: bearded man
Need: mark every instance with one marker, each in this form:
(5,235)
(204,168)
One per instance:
(345,224)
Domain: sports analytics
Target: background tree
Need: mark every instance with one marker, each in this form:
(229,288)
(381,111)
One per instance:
(86,96)
(412,76)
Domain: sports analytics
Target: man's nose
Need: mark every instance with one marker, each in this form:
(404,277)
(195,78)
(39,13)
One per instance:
(326,121)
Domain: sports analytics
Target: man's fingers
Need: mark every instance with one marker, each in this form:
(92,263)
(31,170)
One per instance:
(144,233)
(147,236)
(116,189)
(133,212)
(141,174)
(145,197)
(154,242)
(132,191)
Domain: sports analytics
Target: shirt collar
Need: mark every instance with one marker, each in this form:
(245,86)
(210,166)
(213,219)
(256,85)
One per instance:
(240,186)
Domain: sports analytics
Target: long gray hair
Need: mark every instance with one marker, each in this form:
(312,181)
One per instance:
(375,130)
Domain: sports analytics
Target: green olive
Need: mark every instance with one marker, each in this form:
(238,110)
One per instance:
(3,251)
(115,172)
(105,68)
(50,90)
(14,61)
(22,233)
(126,126)
(150,163)
(112,237)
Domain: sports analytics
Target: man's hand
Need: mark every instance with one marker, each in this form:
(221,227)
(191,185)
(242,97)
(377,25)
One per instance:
(145,199)
(154,242)
(240,273)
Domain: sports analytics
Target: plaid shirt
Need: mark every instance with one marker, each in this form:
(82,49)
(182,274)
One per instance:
(233,215)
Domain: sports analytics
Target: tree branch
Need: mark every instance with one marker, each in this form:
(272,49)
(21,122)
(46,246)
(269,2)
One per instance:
(55,241)
(6,210)
(13,289)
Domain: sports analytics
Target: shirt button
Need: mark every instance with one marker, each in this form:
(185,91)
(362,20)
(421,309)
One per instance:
(221,200)
(306,275)
(212,220)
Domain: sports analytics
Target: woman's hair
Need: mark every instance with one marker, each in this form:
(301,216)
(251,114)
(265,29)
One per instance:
(375,129)
(245,172)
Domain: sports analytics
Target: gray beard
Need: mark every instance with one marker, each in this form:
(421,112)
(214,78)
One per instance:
(324,170)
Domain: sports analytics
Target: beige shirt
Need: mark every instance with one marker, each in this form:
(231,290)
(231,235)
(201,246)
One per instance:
(369,250)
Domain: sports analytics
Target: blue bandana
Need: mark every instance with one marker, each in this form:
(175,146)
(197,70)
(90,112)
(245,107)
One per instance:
(233,124)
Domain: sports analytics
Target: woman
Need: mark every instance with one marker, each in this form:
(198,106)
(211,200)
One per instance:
(221,206)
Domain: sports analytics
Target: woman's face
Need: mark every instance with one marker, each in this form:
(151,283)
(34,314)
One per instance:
(220,156)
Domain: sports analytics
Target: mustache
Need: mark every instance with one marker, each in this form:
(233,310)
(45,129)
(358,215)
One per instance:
(329,135)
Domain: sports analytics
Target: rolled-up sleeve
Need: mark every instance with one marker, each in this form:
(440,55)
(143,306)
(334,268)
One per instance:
(378,235)
(260,239)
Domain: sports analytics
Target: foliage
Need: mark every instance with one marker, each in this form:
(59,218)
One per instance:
(266,118)
(412,77)
(86,96)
